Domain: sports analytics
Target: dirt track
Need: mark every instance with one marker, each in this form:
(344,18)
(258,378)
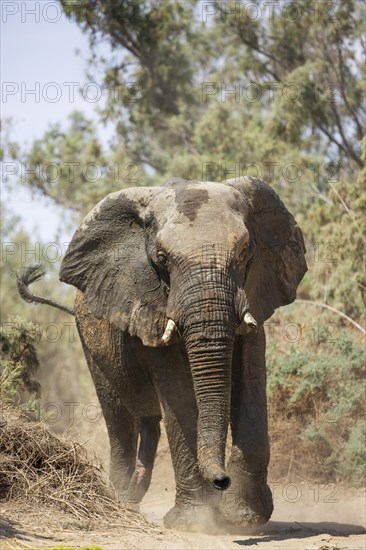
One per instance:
(306,516)
(303,525)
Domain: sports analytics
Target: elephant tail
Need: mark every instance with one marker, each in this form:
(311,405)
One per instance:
(29,275)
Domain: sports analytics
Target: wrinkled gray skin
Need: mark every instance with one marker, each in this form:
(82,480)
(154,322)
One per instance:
(203,255)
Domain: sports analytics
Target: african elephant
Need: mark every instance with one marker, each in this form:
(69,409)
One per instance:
(174,285)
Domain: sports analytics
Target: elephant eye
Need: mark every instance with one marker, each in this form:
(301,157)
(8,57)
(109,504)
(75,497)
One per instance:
(162,258)
(243,254)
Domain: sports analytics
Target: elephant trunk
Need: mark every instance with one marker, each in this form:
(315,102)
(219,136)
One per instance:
(209,345)
(211,379)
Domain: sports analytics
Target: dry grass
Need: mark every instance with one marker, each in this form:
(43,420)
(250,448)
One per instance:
(37,468)
(293,458)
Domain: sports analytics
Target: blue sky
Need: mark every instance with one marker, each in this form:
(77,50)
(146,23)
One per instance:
(38,52)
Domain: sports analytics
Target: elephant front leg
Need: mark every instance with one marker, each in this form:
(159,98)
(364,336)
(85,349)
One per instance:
(196,502)
(248,502)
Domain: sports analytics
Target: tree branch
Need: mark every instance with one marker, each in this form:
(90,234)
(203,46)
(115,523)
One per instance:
(331,138)
(342,87)
(334,310)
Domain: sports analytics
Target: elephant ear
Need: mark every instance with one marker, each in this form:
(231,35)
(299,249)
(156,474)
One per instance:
(107,261)
(278,263)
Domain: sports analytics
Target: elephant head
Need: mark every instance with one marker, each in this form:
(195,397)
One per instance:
(196,262)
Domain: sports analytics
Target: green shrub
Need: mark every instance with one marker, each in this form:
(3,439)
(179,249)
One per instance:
(18,358)
(322,392)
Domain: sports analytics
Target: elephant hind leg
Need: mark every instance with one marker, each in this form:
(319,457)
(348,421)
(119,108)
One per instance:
(122,429)
(149,439)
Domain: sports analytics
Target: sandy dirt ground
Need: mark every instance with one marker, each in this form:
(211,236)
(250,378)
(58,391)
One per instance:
(306,516)
(302,525)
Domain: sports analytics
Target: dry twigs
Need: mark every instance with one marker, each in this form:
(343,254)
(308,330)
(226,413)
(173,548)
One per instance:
(41,469)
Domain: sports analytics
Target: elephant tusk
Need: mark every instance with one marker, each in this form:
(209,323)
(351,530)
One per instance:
(170,328)
(250,321)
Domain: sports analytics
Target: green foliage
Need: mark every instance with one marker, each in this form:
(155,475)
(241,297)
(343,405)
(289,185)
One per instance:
(147,30)
(335,231)
(297,75)
(323,389)
(317,55)
(70,167)
(7,146)
(174,110)
(351,458)
(63,373)
(18,358)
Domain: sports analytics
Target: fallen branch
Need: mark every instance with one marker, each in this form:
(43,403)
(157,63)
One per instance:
(335,310)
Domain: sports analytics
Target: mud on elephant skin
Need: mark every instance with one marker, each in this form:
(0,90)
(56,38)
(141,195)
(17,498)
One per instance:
(174,285)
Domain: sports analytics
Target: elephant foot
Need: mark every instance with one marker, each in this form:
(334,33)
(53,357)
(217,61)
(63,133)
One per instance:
(130,493)
(195,519)
(249,512)
(126,499)
(244,516)
(133,506)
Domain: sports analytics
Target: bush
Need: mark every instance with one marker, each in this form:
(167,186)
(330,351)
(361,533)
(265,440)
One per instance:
(319,393)
(18,358)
